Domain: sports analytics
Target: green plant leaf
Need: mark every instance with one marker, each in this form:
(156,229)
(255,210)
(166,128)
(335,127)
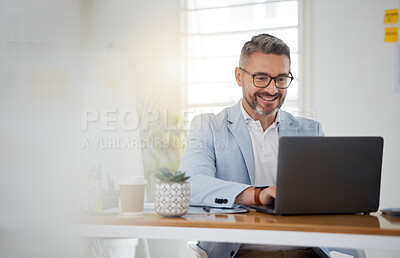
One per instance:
(166,175)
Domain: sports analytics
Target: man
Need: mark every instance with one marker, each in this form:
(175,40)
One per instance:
(230,153)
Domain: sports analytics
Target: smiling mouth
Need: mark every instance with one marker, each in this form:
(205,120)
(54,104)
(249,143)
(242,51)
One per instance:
(268,98)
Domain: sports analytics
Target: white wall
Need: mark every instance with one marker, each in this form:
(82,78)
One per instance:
(352,81)
(58,57)
(352,72)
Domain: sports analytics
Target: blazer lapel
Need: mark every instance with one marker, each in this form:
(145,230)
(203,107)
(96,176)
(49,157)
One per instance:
(287,126)
(237,126)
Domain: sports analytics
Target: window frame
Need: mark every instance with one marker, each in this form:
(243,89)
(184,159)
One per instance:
(303,79)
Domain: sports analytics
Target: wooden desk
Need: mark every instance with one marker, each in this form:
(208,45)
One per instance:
(342,231)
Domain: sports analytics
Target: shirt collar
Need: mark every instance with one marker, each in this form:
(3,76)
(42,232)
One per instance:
(248,118)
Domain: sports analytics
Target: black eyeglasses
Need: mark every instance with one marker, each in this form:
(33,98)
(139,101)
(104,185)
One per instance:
(262,80)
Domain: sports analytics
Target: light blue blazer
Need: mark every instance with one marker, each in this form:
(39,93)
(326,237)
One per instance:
(219,160)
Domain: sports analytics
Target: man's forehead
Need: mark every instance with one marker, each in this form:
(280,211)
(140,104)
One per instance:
(262,55)
(270,60)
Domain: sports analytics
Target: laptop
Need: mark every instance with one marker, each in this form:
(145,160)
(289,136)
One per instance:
(327,175)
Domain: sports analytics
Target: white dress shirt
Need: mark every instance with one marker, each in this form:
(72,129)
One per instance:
(265,149)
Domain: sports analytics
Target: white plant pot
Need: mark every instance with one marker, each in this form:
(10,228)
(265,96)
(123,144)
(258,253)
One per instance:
(172,198)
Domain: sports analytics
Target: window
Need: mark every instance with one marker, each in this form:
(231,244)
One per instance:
(214,33)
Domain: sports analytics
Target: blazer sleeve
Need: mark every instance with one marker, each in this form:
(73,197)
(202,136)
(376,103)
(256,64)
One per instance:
(320,132)
(199,162)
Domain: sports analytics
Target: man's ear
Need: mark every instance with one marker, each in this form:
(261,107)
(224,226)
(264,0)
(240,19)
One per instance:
(238,76)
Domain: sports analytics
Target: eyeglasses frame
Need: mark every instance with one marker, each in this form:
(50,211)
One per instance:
(272,79)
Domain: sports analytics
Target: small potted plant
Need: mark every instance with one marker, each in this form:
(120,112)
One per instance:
(172,193)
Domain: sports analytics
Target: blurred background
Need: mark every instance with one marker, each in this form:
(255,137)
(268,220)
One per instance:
(95,90)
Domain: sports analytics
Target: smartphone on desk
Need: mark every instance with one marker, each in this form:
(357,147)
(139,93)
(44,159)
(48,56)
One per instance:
(218,210)
(391,211)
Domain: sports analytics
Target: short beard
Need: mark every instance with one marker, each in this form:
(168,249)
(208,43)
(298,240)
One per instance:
(259,111)
(256,108)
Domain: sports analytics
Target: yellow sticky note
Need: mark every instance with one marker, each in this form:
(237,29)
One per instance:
(391,16)
(391,34)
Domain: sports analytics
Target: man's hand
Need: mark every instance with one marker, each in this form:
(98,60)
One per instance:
(246,198)
(268,195)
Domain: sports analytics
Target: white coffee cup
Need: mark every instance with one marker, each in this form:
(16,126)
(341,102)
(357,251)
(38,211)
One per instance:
(131,192)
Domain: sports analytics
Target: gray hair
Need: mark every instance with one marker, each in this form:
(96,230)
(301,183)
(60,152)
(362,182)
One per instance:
(263,43)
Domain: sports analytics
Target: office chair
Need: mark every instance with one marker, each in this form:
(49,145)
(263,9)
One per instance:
(356,253)
(200,253)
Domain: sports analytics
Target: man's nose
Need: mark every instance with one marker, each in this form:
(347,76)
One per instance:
(271,89)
